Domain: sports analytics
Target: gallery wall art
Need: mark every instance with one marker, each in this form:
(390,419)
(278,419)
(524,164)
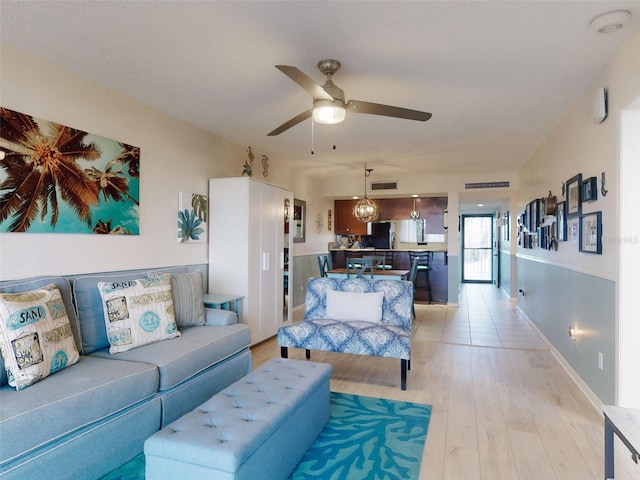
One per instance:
(192,218)
(58,179)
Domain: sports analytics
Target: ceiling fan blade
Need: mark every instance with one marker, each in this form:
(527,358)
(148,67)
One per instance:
(288,124)
(357,106)
(306,82)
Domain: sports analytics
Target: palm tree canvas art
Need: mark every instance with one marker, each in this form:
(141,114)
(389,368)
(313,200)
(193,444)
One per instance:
(58,179)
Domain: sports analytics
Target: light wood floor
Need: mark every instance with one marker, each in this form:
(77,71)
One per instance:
(503,411)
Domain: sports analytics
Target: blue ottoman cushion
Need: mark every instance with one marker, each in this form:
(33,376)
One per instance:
(244,431)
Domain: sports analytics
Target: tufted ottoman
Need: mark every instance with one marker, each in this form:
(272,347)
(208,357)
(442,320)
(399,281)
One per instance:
(259,427)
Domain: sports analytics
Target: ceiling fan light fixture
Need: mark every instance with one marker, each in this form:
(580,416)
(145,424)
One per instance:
(328,112)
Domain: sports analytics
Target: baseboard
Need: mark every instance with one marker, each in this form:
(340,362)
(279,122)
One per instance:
(513,302)
(595,402)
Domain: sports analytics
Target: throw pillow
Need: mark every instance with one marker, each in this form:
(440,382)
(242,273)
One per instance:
(188,298)
(35,335)
(138,312)
(362,306)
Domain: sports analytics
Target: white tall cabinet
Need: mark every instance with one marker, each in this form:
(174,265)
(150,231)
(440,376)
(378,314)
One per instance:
(248,250)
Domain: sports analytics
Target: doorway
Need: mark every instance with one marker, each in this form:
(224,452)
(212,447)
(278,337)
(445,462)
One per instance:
(477,248)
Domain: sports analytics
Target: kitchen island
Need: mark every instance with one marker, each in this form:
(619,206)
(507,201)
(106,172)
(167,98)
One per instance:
(438,273)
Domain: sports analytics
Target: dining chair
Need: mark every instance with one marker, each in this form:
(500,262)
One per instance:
(324,264)
(422,267)
(360,270)
(377,260)
(412,278)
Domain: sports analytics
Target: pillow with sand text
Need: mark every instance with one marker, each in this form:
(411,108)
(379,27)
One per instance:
(35,335)
(138,312)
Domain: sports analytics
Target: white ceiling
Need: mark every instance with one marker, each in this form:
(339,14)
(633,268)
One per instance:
(495,75)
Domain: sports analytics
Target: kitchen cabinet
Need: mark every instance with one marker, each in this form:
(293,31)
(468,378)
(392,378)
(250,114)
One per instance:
(247,250)
(346,223)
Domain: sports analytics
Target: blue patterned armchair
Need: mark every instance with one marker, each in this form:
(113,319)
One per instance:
(390,337)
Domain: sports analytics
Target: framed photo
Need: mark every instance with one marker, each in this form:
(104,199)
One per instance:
(590,189)
(591,233)
(542,238)
(572,229)
(527,217)
(574,196)
(534,216)
(561,222)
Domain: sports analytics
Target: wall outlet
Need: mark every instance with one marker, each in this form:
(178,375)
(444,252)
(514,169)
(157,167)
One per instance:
(600,361)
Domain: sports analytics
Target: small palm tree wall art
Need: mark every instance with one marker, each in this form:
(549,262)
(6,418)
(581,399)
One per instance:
(58,179)
(192,218)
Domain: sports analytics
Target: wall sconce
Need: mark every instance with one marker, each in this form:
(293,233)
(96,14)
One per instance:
(573,332)
(286,209)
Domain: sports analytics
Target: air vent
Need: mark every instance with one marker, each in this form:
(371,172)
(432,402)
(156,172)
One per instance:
(384,186)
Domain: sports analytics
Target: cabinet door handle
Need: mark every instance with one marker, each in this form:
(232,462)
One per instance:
(265,262)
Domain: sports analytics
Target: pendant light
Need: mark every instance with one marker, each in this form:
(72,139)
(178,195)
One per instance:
(415,215)
(366,210)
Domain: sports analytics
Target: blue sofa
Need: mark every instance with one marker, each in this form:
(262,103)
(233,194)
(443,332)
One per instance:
(390,336)
(89,418)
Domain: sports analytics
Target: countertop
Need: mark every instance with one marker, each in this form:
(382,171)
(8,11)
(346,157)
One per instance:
(431,247)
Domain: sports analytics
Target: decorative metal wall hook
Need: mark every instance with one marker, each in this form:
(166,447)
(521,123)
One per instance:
(603,191)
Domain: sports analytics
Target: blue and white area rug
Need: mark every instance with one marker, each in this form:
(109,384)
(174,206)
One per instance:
(366,438)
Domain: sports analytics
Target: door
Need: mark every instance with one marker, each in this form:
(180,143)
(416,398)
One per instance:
(477,248)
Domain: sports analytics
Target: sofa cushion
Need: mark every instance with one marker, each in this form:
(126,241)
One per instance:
(194,351)
(366,307)
(80,395)
(89,305)
(138,312)
(188,298)
(23,285)
(35,336)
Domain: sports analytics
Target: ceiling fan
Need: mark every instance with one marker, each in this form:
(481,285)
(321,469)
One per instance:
(329,105)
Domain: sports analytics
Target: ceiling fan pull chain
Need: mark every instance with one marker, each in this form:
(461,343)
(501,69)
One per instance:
(312,122)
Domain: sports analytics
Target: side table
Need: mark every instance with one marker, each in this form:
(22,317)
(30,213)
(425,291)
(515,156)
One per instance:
(224,301)
(625,423)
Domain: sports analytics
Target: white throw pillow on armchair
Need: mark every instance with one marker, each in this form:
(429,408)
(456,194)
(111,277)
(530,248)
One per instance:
(366,307)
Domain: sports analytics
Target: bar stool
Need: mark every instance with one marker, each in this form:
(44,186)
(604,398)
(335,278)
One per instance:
(352,259)
(422,267)
(389,260)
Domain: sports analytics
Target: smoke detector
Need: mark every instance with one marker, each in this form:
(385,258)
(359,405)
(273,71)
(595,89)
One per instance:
(611,21)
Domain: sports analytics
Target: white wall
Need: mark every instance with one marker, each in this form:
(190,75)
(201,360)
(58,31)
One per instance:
(578,145)
(317,238)
(175,157)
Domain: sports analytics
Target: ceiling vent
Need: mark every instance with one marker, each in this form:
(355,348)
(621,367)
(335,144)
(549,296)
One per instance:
(384,186)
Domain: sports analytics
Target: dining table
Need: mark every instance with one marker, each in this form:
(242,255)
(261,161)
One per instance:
(379,274)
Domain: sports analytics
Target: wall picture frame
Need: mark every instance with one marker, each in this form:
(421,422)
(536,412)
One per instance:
(561,222)
(574,196)
(533,209)
(591,233)
(590,189)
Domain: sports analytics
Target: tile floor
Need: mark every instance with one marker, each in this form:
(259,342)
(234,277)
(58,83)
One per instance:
(484,317)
